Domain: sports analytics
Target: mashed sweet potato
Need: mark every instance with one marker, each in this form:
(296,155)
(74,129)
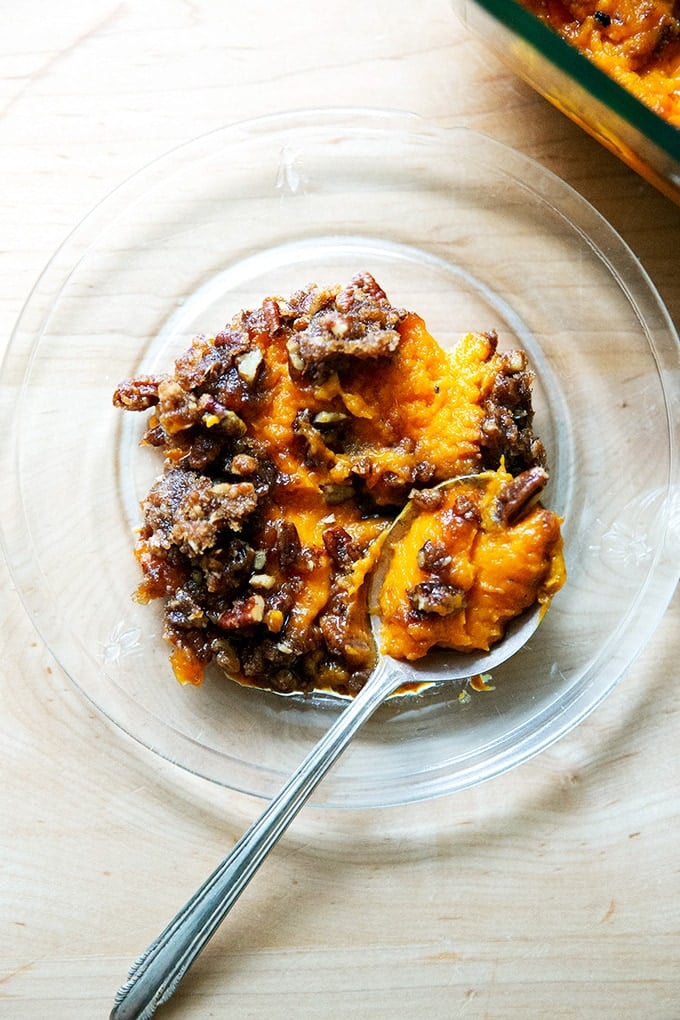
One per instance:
(636,42)
(291,440)
(476,555)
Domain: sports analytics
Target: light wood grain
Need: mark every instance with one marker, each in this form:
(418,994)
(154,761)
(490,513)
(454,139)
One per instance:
(555,890)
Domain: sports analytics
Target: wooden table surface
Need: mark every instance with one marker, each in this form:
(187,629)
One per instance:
(551,892)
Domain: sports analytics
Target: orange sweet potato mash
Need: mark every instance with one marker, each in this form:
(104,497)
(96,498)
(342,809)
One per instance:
(636,42)
(468,565)
(291,440)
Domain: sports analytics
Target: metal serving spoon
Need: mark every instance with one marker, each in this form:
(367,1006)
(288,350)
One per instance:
(156,974)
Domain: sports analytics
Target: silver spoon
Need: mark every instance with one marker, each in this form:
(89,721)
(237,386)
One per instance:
(154,977)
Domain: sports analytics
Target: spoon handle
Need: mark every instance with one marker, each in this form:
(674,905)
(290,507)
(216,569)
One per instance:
(156,974)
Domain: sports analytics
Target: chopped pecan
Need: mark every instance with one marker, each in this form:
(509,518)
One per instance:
(427,499)
(225,655)
(287,545)
(262,581)
(433,557)
(244,464)
(317,453)
(437,597)
(517,496)
(272,315)
(137,394)
(340,547)
(467,509)
(198,365)
(249,364)
(183,611)
(242,613)
(329,418)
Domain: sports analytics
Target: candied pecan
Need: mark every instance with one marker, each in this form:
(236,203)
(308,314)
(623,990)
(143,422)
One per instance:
(364,295)
(310,301)
(516,497)
(233,389)
(340,547)
(249,364)
(137,394)
(507,427)
(198,365)
(466,509)
(202,448)
(287,545)
(330,333)
(436,597)
(177,408)
(251,459)
(272,315)
(433,557)
(427,499)
(507,436)
(244,464)
(232,342)
(225,655)
(345,633)
(224,570)
(154,435)
(317,453)
(242,613)
(183,611)
(423,472)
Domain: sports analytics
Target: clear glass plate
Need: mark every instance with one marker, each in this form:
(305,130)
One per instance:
(454,226)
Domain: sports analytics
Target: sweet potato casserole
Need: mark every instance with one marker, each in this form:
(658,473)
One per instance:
(291,440)
(636,42)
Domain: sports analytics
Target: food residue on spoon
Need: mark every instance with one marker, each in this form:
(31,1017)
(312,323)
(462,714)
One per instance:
(291,440)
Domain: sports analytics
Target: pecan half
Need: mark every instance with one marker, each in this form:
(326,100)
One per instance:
(516,497)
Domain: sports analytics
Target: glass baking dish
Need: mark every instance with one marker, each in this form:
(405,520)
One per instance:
(560,73)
